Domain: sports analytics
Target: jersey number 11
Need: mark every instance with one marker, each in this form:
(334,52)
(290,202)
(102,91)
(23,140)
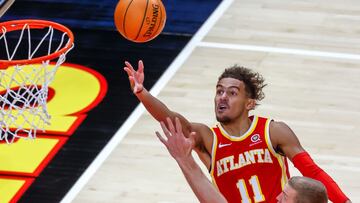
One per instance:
(255,185)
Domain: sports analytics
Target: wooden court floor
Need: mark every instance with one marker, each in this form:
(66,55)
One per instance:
(309,53)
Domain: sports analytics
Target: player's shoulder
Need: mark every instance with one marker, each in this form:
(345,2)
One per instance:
(279,130)
(260,120)
(278,125)
(203,132)
(204,136)
(201,128)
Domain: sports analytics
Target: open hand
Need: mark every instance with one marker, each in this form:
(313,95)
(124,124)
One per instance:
(136,78)
(177,144)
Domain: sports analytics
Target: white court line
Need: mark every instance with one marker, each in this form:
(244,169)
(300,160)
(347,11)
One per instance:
(135,115)
(280,50)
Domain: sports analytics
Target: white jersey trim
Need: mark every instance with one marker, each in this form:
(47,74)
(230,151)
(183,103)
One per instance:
(242,137)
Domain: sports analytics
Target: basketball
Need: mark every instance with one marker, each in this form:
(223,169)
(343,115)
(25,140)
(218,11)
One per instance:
(141,20)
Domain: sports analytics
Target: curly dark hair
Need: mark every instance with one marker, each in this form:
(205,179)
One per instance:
(254,82)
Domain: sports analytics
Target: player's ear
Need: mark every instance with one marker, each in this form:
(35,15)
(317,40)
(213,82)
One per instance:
(250,105)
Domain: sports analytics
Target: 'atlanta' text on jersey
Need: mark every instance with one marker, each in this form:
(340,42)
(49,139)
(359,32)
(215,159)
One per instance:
(232,162)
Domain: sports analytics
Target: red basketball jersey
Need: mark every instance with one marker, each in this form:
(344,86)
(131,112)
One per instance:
(247,169)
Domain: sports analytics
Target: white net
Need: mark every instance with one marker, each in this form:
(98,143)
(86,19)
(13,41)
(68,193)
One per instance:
(24,87)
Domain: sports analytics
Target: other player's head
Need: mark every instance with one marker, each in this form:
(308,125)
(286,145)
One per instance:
(303,190)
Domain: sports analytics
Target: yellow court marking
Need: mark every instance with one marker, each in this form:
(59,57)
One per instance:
(25,156)
(9,188)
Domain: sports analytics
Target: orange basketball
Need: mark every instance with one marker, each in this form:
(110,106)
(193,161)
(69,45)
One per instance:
(140,20)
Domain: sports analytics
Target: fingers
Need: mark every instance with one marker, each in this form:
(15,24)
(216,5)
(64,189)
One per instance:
(128,65)
(171,130)
(161,138)
(178,125)
(128,71)
(166,131)
(140,66)
(170,125)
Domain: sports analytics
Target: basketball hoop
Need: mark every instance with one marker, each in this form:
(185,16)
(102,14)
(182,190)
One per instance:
(30,53)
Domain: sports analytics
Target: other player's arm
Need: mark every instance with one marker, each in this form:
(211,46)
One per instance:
(180,149)
(285,140)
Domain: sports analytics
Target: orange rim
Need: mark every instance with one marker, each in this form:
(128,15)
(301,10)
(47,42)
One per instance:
(35,24)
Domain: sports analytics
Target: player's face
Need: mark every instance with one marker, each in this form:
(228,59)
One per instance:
(231,99)
(288,195)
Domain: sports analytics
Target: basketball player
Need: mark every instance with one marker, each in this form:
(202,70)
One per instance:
(246,155)
(297,189)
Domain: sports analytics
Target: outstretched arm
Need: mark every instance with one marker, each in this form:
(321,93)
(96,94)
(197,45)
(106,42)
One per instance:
(160,112)
(285,139)
(153,105)
(180,149)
